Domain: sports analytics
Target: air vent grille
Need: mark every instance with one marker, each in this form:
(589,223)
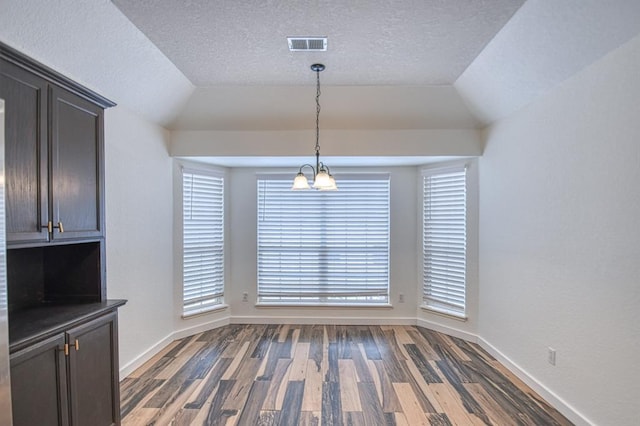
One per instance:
(316,44)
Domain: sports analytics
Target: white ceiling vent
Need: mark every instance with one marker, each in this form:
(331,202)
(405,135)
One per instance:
(302,44)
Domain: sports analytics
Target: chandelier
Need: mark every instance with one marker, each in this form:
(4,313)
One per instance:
(322,179)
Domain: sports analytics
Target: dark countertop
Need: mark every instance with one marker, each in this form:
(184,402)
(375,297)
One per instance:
(35,324)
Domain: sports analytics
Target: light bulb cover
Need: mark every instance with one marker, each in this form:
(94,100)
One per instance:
(300,182)
(322,180)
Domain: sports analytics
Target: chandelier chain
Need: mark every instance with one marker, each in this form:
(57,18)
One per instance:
(318,112)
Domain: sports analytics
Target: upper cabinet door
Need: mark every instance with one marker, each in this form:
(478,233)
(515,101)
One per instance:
(76,184)
(26,160)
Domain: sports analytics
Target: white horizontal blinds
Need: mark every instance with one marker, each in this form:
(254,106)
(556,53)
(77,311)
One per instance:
(203,237)
(323,247)
(444,239)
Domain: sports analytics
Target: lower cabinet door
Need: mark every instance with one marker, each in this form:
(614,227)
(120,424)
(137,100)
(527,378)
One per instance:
(39,384)
(93,372)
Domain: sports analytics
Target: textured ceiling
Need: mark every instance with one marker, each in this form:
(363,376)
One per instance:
(257,84)
(374,42)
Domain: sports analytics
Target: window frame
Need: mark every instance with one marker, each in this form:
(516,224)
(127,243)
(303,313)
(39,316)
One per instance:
(296,300)
(219,300)
(470,201)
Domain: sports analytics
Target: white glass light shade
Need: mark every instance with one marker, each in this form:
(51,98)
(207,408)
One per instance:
(300,182)
(333,186)
(322,180)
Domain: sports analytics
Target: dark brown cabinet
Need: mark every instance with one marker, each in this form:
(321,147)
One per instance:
(54,148)
(93,372)
(63,338)
(70,378)
(38,375)
(26,153)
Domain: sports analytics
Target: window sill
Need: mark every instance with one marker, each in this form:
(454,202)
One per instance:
(444,313)
(325,305)
(207,311)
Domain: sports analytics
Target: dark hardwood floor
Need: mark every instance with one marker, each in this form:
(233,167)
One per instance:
(328,375)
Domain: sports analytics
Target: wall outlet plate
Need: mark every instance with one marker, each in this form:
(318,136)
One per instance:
(551,356)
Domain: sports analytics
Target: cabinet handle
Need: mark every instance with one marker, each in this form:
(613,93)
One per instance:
(77,345)
(66,349)
(50,227)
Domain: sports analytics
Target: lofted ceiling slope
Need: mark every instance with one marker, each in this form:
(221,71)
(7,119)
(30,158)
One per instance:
(419,64)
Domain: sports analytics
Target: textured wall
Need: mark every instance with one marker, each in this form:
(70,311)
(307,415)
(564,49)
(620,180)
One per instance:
(560,241)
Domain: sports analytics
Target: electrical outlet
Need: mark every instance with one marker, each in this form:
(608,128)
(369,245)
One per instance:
(551,356)
(245,297)
(401,298)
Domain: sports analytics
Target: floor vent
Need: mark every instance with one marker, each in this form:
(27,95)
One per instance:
(306,44)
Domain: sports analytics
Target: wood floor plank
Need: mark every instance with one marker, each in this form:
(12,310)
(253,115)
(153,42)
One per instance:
(422,364)
(243,381)
(139,416)
(216,415)
(441,419)
(268,418)
(451,404)
(299,363)
(420,341)
(312,398)
(496,414)
(166,414)
(390,402)
(328,375)
(291,406)
(209,383)
(251,409)
(316,350)
(236,360)
(410,405)
(349,392)
(424,387)
(178,362)
(149,364)
(371,407)
(135,396)
(331,406)
(310,418)
(276,383)
(360,363)
(264,341)
(353,418)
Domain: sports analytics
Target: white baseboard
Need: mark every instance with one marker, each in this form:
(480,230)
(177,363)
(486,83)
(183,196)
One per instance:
(558,403)
(138,361)
(451,331)
(210,325)
(322,321)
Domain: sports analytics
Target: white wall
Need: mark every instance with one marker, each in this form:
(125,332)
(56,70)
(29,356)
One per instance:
(243,222)
(139,208)
(560,239)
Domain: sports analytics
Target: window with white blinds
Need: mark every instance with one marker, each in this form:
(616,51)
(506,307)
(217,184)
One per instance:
(324,247)
(203,241)
(444,239)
